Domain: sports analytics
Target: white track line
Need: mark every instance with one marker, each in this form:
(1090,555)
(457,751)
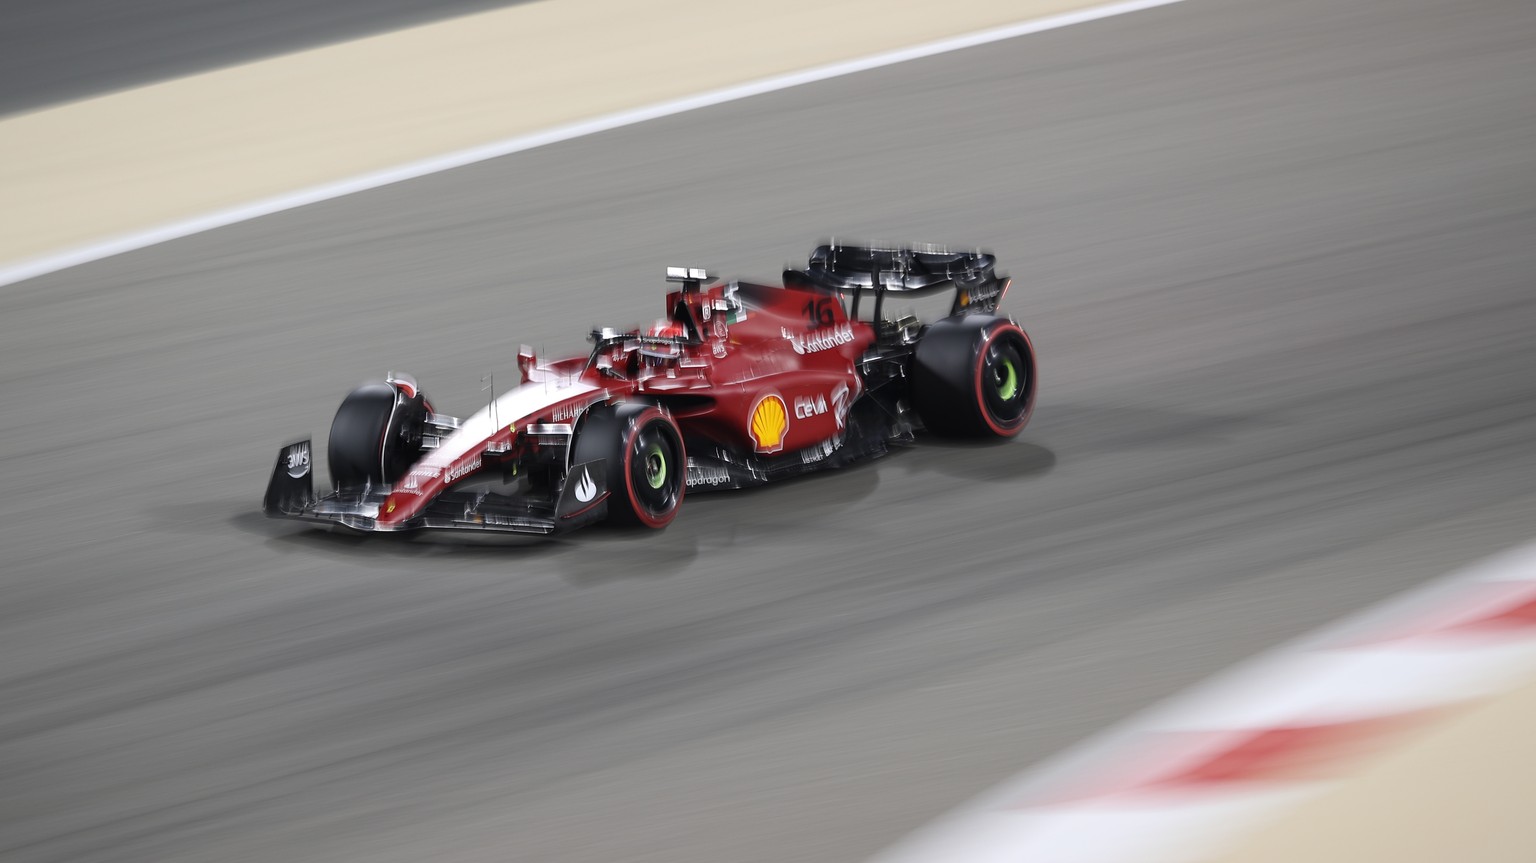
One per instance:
(141,239)
(1147,790)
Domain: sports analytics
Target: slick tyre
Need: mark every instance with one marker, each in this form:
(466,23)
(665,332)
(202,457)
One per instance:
(376,435)
(647,467)
(974,376)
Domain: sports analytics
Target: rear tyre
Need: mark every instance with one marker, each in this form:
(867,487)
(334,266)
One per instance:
(647,466)
(376,435)
(974,376)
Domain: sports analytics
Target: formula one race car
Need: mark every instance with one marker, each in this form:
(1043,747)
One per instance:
(740,384)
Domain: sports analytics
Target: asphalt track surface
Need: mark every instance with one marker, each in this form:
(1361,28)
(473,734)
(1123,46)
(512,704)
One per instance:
(54,50)
(1277,262)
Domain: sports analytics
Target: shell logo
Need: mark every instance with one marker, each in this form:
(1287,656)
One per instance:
(770,419)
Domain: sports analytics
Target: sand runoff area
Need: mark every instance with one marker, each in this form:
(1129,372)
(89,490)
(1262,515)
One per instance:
(86,171)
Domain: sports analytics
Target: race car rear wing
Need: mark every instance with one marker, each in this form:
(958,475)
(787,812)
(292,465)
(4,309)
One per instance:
(853,271)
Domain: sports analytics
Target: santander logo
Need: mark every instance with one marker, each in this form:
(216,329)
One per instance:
(462,469)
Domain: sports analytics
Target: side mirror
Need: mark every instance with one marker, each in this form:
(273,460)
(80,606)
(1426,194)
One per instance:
(527,361)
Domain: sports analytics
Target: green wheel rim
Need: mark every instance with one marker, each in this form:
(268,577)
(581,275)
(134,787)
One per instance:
(655,466)
(1007,382)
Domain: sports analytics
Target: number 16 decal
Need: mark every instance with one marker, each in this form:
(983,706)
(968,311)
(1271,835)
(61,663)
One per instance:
(820,313)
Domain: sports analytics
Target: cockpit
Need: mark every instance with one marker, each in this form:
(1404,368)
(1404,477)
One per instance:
(697,323)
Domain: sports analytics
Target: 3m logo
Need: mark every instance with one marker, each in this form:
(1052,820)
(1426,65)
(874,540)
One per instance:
(770,420)
(297,460)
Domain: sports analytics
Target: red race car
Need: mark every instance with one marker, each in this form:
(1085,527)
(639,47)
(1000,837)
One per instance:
(740,384)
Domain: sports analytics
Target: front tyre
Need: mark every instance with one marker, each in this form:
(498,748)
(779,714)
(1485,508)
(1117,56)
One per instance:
(376,435)
(974,376)
(647,465)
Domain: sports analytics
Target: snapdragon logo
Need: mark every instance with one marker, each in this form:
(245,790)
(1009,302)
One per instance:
(705,476)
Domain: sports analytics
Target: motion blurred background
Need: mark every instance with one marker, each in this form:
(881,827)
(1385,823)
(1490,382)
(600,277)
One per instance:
(1276,260)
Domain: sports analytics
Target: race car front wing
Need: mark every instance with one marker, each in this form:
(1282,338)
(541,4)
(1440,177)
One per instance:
(291,495)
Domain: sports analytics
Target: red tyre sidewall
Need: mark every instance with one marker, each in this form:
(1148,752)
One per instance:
(979,373)
(639,422)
